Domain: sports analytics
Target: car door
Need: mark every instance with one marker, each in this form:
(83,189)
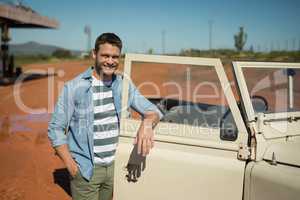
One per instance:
(201,142)
(270,95)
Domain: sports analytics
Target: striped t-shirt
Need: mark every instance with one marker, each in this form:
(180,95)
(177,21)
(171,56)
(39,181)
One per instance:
(106,129)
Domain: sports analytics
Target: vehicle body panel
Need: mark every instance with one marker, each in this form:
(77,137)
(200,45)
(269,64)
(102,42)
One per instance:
(190,162)
(177,171)
(275,171)
(285,152)
(271,182)
(187,161)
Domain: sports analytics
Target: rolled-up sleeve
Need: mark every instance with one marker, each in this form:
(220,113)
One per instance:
(139,103)
(61,118)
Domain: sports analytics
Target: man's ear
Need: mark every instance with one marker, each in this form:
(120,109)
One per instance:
(94,54)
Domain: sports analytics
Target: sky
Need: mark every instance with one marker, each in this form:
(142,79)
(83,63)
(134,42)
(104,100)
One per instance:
(269,24)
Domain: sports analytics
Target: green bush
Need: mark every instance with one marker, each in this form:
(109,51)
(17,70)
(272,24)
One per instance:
(230,54)
(62,53)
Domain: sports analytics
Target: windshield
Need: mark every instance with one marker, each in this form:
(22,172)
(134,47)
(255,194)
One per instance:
(273,90)
(186,94)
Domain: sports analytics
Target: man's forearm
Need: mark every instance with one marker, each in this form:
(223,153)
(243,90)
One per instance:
(145,135)
(65,155)
(151,119)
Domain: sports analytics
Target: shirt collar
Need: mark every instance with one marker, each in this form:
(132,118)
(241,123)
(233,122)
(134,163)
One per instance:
(87,74)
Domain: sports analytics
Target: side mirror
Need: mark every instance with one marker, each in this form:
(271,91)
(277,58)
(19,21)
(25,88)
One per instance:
(259,103)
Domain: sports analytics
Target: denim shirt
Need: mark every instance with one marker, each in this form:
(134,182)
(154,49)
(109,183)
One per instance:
(73,117)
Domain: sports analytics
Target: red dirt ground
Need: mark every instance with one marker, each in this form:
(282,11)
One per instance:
(29,168)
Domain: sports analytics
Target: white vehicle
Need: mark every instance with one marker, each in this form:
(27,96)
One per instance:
(213,142)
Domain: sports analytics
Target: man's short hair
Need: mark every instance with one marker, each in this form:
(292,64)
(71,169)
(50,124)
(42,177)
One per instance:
(110,38)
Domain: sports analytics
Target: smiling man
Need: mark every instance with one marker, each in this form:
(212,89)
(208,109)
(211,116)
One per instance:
(84,127)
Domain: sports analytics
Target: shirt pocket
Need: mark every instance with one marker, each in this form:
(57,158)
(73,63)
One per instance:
(82,109)
(80,120)
(81,113)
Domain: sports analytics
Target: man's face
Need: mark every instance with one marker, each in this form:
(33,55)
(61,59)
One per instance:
(107,58)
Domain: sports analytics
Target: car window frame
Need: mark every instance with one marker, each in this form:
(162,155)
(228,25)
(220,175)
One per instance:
(163,132)
(270,124)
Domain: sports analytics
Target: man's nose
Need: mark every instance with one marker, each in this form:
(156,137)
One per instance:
(110,60)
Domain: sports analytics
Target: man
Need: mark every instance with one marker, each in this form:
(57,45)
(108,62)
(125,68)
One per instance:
(85,124)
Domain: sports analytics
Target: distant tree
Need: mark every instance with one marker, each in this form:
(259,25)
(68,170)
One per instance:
(251,49)
(240,39)
(150,51)
(62,53)
(190,52)
(42,57)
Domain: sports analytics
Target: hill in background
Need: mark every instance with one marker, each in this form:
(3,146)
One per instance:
(35,48)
